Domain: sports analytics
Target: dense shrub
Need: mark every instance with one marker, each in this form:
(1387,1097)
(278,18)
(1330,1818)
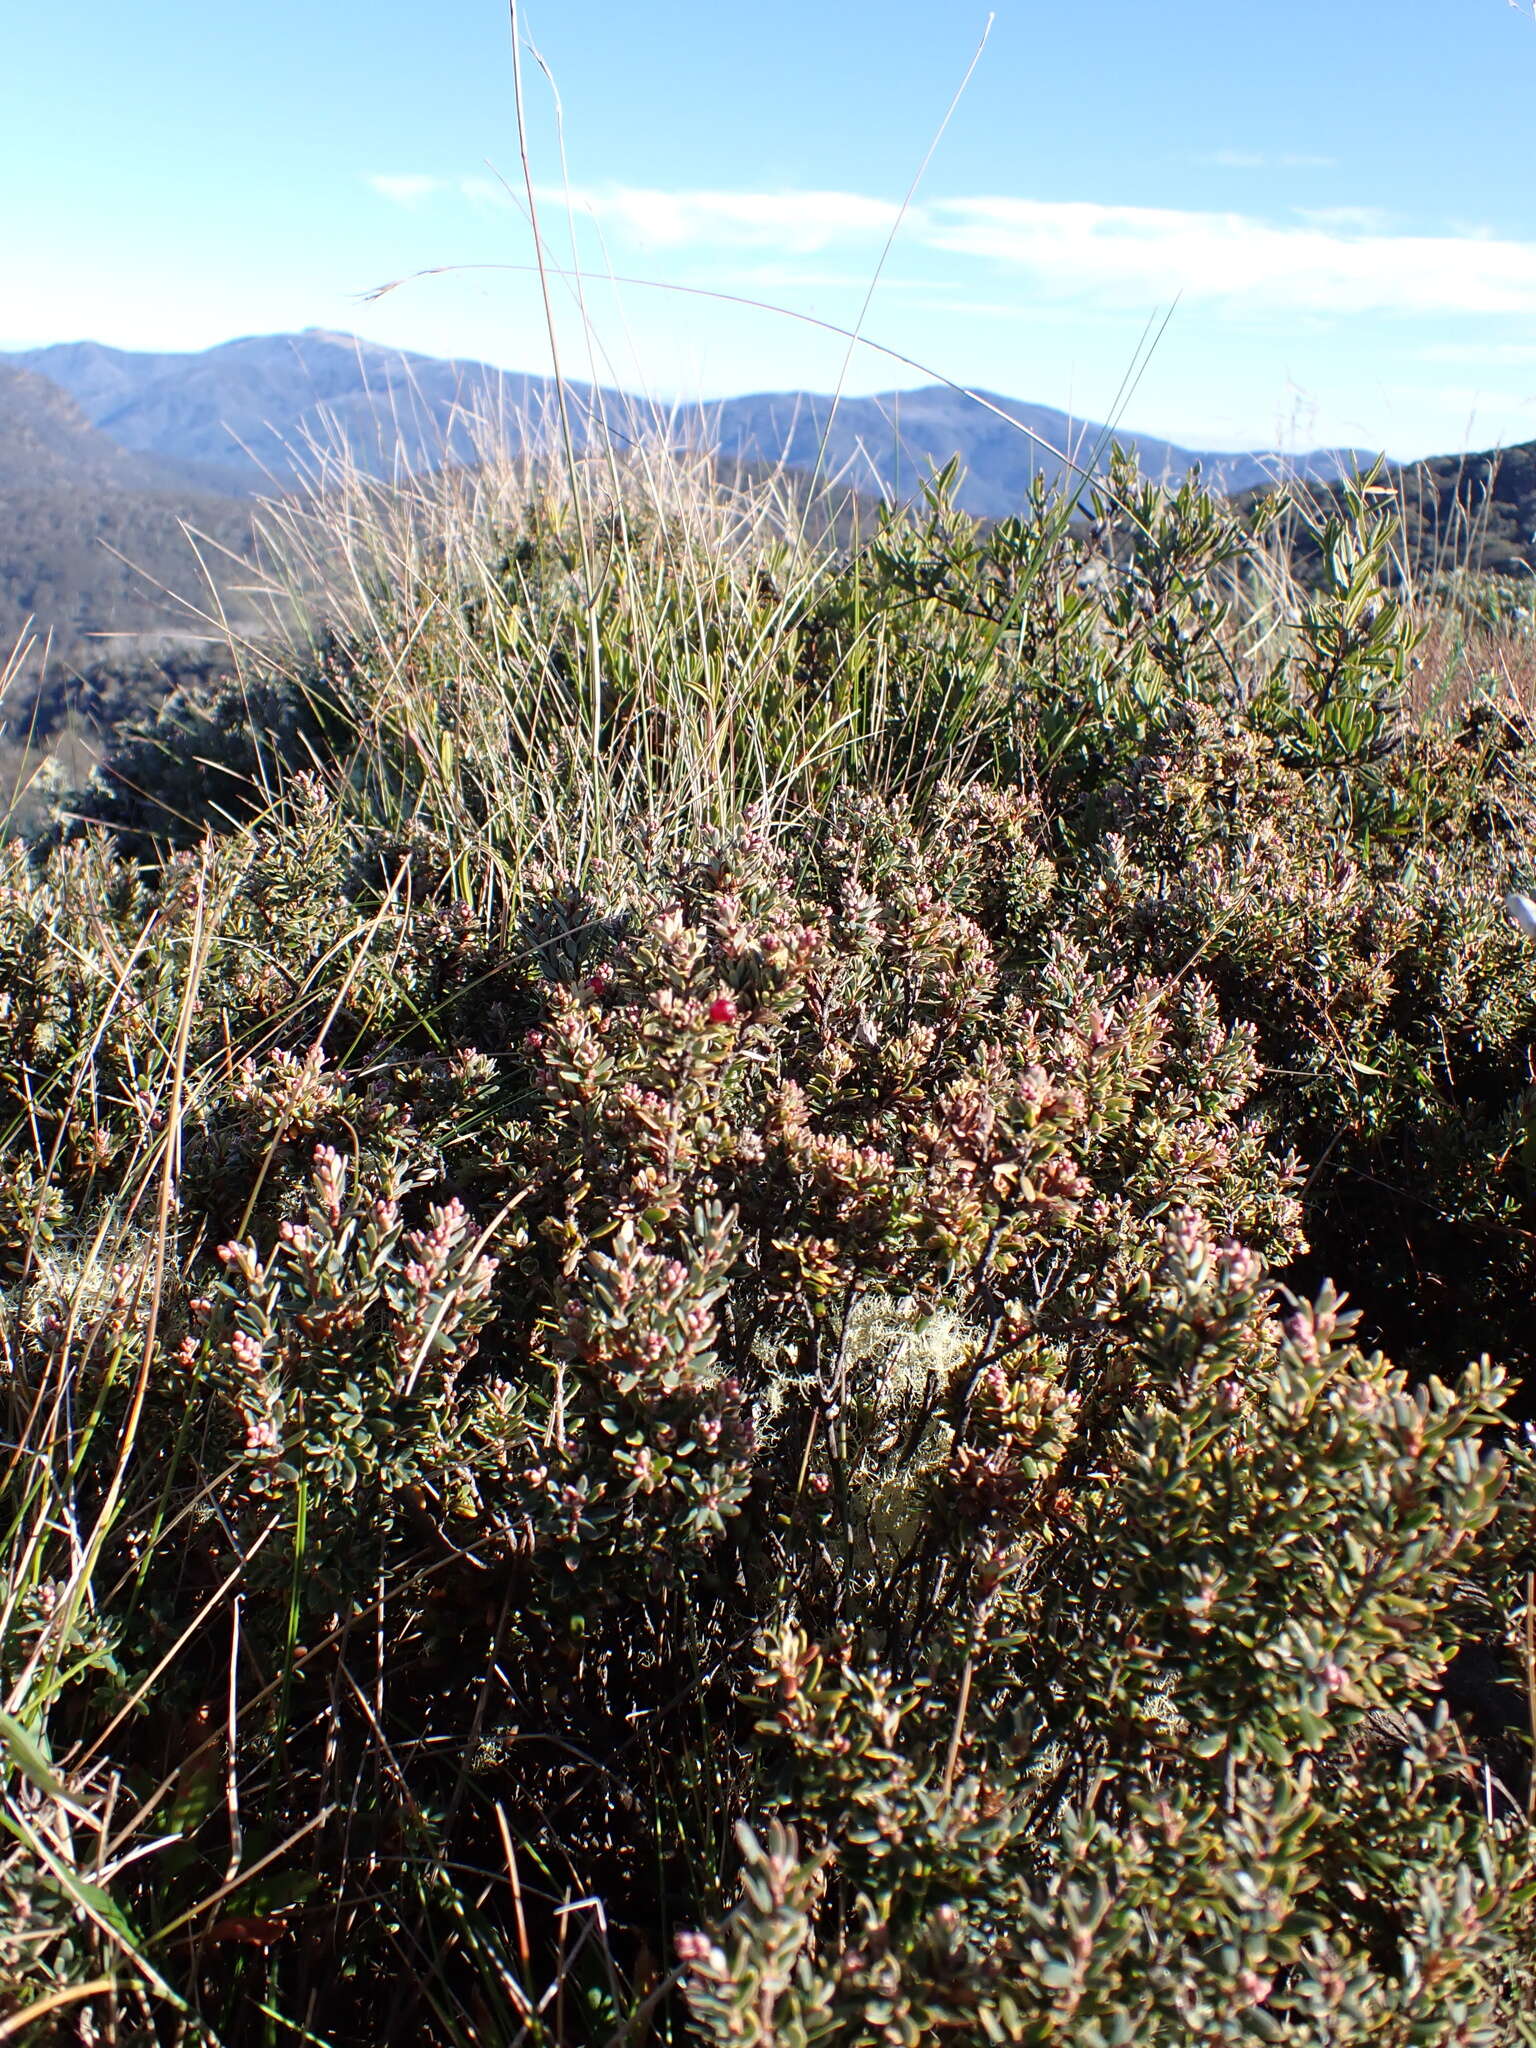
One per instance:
(722,1408)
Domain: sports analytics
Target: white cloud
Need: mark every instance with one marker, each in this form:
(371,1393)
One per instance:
(1334,261)
(487,192)
(1492,353)
(1472,403)
(782,277)
(1364,220)
(407,189)
(1153,252)
(791,223)
(796,222)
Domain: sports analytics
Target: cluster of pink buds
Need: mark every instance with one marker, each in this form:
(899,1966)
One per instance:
(241,1256)
(1239,1269)
(256,1399)
(330,1182)
(698,1950)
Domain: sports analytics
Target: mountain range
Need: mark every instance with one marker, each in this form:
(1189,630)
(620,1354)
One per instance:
(248,414)
(108,457)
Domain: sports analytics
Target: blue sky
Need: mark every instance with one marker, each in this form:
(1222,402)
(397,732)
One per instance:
(1333,203)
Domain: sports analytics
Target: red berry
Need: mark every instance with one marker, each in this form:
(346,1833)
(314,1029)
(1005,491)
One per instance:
(722,1011)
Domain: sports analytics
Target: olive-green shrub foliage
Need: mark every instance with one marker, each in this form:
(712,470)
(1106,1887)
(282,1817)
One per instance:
(731,1419)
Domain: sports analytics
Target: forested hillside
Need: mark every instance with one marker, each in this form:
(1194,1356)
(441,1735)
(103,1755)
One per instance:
(97,542)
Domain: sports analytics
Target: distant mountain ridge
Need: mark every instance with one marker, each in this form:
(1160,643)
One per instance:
(240,415)
(107,455)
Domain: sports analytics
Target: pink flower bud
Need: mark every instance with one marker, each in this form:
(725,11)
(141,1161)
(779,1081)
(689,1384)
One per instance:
(722,1011)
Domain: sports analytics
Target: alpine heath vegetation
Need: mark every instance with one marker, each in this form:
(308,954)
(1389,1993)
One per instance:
(765,1294)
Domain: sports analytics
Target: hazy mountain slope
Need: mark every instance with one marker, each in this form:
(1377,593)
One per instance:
(255,409)
(89,529)
(1477,509)
(83,566)
(1475,512)
(893,439)
(47,438)
(250,406)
